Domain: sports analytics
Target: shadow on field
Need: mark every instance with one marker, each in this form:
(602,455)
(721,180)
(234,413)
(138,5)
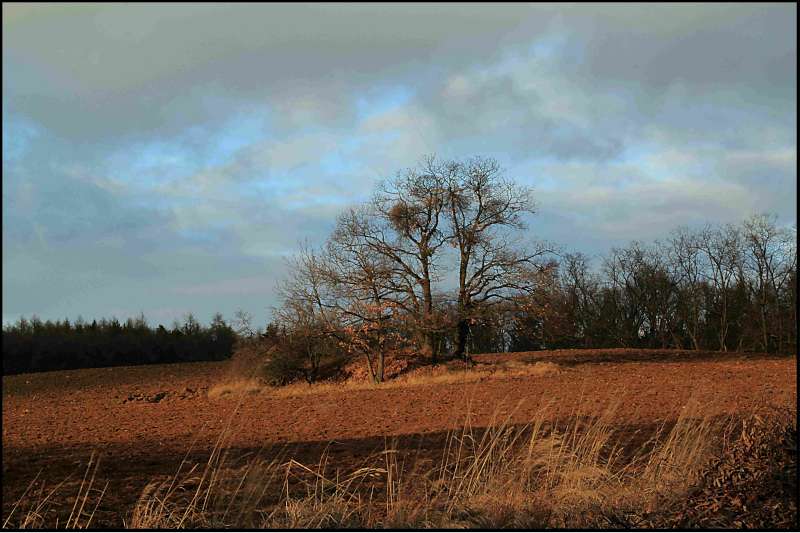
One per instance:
(129,468)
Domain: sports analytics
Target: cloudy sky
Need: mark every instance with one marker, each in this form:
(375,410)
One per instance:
(167,158)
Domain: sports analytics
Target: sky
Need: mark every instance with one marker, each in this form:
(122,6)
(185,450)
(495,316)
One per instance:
(167,159)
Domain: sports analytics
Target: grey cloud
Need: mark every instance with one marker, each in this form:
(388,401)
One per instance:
(72,246)
(693,74)
(162,70)
(709,46)
(126,69)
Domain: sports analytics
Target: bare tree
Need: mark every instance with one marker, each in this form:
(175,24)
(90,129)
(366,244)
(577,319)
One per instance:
(384,264)
(366,298)
(620,272)
(483,208)
(769,259)
(581,290)
(688,267)
(402,225)
(309,309)
(243,324)
(723,251)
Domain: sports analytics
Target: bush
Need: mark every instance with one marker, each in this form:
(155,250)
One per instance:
(283,367)
(304,354)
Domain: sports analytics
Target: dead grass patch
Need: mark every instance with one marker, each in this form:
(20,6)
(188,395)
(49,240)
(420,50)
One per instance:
(236,387)
(452,373)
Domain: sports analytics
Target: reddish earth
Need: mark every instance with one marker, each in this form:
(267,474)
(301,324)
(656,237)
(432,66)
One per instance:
(53,421)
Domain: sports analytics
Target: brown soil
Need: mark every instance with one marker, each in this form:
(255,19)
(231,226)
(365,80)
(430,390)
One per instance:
(144,419)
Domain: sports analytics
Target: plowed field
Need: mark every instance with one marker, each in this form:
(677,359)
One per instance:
(143,420)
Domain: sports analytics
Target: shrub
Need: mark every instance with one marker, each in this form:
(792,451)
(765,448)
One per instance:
(283,367)
(304,353)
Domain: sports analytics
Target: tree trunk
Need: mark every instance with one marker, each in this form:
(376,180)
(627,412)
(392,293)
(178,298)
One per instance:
(428,347)
(379,374)
(426,344)
(371,369)
(695,345)
(462,335)
(723,329)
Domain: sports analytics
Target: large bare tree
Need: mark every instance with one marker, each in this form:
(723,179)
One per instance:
(484,211)
(386,265)
(403,226)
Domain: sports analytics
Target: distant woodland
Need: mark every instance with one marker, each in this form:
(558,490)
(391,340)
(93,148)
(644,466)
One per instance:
(36,346)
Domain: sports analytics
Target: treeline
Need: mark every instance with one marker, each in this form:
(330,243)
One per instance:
(435,263)
(33,345)
(728,288)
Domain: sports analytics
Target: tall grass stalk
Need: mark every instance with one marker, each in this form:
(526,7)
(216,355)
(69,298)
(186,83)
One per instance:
(40,504)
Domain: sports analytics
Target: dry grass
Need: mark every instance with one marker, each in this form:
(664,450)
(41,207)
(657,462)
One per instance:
(571,476)
(236,387)
(233,387)
(35,504)
(535,475)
